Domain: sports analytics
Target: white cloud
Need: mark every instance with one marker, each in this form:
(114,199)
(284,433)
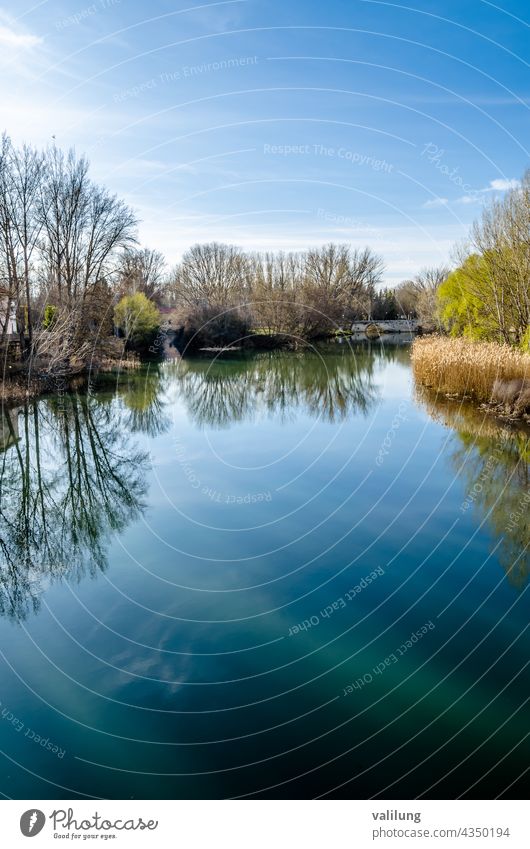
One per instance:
(11,36)
(475,198)
(499,185)
(8,38)
(435,203)
(502,185)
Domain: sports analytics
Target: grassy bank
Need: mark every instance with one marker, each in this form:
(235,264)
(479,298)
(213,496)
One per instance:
(485,371)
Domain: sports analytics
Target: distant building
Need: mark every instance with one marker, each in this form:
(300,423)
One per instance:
(8,313)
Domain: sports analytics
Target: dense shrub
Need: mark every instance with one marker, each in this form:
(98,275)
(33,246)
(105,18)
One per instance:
(207,327)
(138,320)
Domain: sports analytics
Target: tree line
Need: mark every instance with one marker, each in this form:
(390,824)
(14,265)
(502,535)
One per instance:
(301,294)
(71,263)
(484,295)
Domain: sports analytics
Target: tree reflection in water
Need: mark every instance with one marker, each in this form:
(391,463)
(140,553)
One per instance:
(493,459)
(218,392)
(69,477)
(142,395)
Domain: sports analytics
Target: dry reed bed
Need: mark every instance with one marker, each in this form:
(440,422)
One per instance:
(485,371)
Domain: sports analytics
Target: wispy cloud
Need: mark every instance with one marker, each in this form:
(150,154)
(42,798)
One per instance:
(499,185)
(470,199)
(12,37)
(435,203)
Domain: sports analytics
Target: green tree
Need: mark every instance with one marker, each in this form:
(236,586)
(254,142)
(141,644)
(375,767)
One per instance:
(463,303)
(137,318)
(50,313)
(488,296)
(525,341)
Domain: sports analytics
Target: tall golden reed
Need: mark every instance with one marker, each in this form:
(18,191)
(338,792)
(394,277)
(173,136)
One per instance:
(463,367)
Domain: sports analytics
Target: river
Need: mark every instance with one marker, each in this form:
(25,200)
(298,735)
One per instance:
(280,575)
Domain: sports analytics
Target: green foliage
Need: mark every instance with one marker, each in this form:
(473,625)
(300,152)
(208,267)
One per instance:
(487,297)
(385,306)
(525,341)
(462,310)
(50,314)
(137,318)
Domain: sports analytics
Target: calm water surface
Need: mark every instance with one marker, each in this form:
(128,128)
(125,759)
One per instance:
(281,575)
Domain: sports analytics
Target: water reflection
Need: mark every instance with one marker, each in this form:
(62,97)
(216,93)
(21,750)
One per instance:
(492,457)
(143,397)
(72,474)
(331,383)
(69,477)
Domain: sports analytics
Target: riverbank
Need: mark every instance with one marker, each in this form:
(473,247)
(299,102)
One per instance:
(24,382)
(261,340)
(488,373)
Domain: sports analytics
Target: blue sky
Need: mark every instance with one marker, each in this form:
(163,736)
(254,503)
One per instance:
(281,124)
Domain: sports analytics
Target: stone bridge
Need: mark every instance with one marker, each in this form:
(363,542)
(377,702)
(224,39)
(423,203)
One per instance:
(398,325)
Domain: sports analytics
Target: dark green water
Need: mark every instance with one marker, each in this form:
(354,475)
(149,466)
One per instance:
(212,572)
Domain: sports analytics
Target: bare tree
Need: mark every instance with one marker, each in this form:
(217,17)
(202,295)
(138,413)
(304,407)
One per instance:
(407,299)
(212,275)
(342,280)
(26,178)
(277,280)
(9,249)
(60,240)
(84,226)
(61,346)
(329,269)
(421,294)
(21,173)
(142,270)
(303,294)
